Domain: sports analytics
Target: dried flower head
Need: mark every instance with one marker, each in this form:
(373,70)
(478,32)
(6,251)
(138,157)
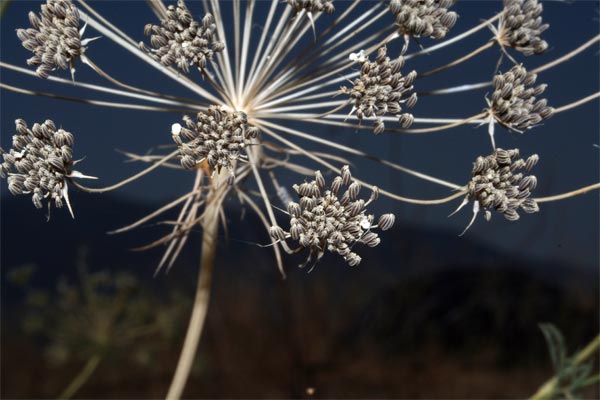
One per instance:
(40,163)
(181,40)
(323,221)
(423,18)
(521,26)
(218,136)
(497,184)
(54,37)
(514,103)
(381,89)
(313,6)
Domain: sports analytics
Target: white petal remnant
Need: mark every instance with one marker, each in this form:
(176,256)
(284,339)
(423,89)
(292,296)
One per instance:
(521,25)
(324,219)
(54,38)
(181,41)
(423,18)
(381,89)
(218,136)
(40,163)
(514,104)
(497,184)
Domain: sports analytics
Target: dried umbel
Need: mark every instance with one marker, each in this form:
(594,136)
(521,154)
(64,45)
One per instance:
(54,37)
(322,220)
(514,103)
(181,40)
(218,136)
(498,184)
(313,6)
(40,163)
(423,18)
(381,89)
(521,26)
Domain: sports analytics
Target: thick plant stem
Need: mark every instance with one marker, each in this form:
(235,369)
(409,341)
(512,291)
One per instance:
(546,391)
(81,378)
(210,227)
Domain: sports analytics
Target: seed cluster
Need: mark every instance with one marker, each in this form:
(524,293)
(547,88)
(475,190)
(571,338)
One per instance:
(323,221)
(54,37)
(313,6)
(218,136)
(382,89)
(181,40)
(424,18)
(514,102)
(498,184)
(521,26)
(39,162)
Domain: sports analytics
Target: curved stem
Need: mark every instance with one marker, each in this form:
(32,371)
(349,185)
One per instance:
(442,127)
(573,193)
(457,61)
(567,56)
(128,180)
(577,103)
(210,225)
(546,391)
(81,378)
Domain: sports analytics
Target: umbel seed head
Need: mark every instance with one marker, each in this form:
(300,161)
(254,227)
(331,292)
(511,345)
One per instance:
(54,37)
(423,18)
(324,218)
(381,89)
(218,136)
(181,41)
(313,6)
(498,183)
(514,101)
(39,162)
(521,26)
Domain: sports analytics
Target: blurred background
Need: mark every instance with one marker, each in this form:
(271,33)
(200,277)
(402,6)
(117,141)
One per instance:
(427,314)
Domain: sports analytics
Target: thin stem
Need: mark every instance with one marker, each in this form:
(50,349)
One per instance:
(573,193)
(391,195)
(95,102)
(210,227)
(546,391)
(128,180)
(82,377)
(577,103)
(567,56)
(457,61)
(163,99)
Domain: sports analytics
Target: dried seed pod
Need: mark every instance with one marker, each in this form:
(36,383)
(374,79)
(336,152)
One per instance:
(514,105)
(220,143)
(521,26)
(181,41)
(54,37)
(423,18)
(381,89)
(40,163)
(321,221)
(496,184)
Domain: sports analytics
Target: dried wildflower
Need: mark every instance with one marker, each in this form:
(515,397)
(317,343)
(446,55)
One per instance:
(313,6)
(40,163)
(514,103)
(381,89)
(423,18)
(497,184)
(521,26)
(54,37)
(323,221)
(219,136)
(181,40)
